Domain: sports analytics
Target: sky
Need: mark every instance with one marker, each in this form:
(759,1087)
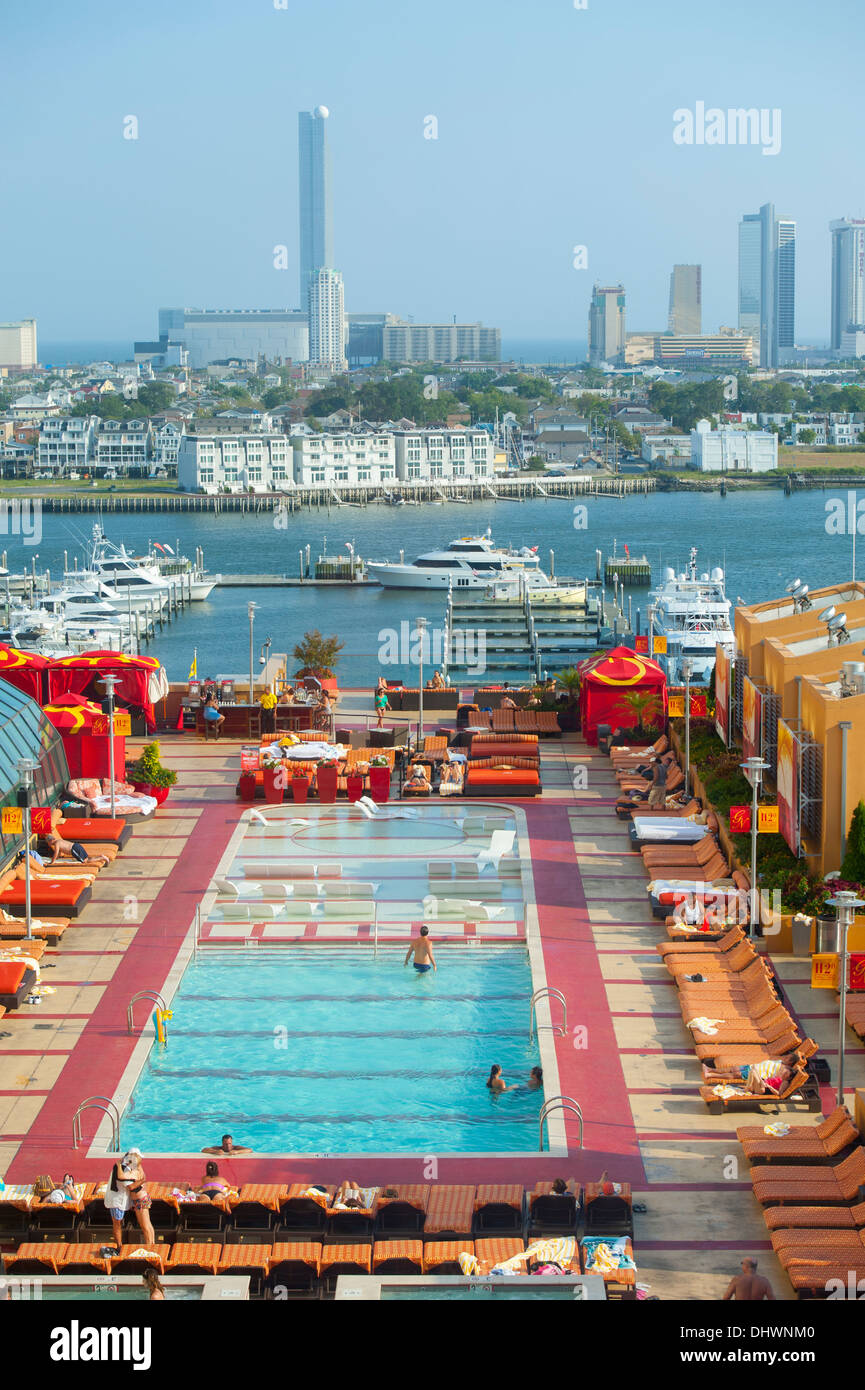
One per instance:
(555,130)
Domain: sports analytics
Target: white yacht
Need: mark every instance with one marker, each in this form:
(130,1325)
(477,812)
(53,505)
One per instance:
(694,615)
(123,581)
(471,562)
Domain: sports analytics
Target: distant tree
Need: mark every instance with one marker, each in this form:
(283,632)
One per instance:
(156,396)
(853,867)
(806,436)
(536,464)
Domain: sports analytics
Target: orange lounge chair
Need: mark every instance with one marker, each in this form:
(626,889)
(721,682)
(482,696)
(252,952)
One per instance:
(35,1257)
(302,1213)
(825,1244)
(763,1034)
(397,1257)
(95,830)
(744,1100)
(49,932)
(810,1186)
(499,1207)
(625,755)
(443,1256)
(129,1262)
(344,1259)
(450,1211)
(49,897)
(294,1266)
(189,1258)
(494,1250)
(814,1277)
(622,1278)
(680,855)
(805,1143)
(731,938)
(251,1260)
(404,1213)
(553,1214)
(855,1014)
(256,1203)
(790,1218)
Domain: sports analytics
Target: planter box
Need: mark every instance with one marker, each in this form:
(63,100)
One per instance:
(379,783)
(273,779)
(159,794)
(354,787)
(325,781)
(246,786)
(300,789)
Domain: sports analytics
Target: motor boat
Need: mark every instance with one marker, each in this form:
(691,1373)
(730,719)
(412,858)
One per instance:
(470,562)
(693,614)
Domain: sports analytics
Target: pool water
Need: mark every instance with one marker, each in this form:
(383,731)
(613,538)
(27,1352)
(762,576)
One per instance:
(482,1293)
(110,1293)
(326,1050)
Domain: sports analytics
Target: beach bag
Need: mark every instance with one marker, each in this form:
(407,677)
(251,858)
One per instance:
(43,1186)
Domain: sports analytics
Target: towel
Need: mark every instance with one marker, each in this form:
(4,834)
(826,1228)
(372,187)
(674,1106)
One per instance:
(605,1256)
(777,1130)
(709,1026)
(320,1198)
(142,1254)
(724,1092)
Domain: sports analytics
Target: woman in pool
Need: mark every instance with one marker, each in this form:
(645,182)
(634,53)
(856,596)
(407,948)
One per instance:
(536,1080)
(151,1281)
(496,1082)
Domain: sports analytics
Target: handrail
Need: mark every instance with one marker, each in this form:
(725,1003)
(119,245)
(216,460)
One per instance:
(548,992)
(152,994)
(109,1108)
(558,1103)
(375,928)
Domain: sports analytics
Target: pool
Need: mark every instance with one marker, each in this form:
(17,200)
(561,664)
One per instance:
(323,1050)
(125,1288)
(431,1289)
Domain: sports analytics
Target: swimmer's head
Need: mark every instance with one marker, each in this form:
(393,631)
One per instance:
(424,931)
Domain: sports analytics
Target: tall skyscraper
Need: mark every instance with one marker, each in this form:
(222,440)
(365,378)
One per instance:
(607,325)
(686,300)
(316,226)
(767,282)
(848,277)
(327,320)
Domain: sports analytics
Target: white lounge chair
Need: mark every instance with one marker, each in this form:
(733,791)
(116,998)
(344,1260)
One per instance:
(372,811)
(359,910)
(232,890)
(502,843)
(343,888)
(468,910)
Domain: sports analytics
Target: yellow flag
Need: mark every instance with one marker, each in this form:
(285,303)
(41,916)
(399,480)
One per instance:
(193,670)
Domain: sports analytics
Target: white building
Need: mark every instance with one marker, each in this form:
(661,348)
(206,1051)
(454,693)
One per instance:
(67,446)
(328,460)
(234,462)
(666,448)
(430,455)
(217,335)
(18,344)
(852,343)
(327,321)
(35,407)
(440,342)
(733,451)
(166,442)
(122,446)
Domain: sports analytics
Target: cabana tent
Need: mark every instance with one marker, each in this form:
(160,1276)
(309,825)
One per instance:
(608,677)
(86,749)
(24,670)
(141,682)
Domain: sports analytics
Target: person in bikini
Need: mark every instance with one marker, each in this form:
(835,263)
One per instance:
(422,950)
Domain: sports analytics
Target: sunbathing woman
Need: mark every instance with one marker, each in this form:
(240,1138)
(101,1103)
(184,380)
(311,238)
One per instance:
(348,1195)
(212,1186)
(759,1078)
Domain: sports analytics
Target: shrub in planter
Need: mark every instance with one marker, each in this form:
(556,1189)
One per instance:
(148,776)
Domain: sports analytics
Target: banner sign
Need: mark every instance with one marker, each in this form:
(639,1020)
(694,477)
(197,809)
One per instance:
(752,721)
(676,707)
(641,644)
(249,759)
(787,778)
(722,695)
(122,724)
(659,646)
(857,970)
(740,820)
(12,821)
(767,819)
(824,972)
(40,820)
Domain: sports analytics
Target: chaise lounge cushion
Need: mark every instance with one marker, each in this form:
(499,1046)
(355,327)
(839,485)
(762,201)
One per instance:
(49,897)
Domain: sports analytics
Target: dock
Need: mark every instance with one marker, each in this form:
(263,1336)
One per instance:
(276,581)
(630,569)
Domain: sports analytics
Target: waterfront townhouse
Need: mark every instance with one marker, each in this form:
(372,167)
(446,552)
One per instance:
(166,442)
(733,450)
(234,462)
(359,459)
(123,447)
(67,445)
(443,455)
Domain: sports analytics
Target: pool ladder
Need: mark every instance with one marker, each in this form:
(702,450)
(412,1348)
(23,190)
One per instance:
(558,1103)
(108,1108)
(548,993)
(152,994)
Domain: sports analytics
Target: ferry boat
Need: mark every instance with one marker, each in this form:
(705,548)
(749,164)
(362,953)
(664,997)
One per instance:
(693,613)
(470,562)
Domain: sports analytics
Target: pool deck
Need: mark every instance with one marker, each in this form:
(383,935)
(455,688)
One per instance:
(627,1058)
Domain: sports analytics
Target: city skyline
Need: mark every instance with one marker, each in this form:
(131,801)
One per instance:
(420,159)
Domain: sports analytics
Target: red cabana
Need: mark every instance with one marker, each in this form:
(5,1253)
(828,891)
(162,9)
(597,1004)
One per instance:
(86,748)
(607,678)
(141,679)
(23,670)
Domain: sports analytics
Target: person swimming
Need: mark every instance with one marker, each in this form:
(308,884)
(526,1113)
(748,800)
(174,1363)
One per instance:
(496,1082)
(422,950)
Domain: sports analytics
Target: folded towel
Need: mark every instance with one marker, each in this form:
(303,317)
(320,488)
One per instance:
(777,1130)
(725,1092)
(709,1026)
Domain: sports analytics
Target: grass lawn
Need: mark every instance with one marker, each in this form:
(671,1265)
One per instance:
(806,460)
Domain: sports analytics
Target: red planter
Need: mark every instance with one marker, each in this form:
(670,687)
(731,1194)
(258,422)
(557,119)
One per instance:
(300,788)
(379,783)
(159,794)
(274,785)
(246,786)
(325,781)
(354,786)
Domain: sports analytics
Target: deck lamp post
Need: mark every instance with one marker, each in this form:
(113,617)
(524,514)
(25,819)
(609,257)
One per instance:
(686,672)
(250,609)
(846,906)
(26,769)
(753,769)
(109,682)
(421,628)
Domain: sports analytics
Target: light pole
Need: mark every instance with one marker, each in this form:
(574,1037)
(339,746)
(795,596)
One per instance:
(686,672)
(846,906)
(109,682)
(26,769)
(250,608)
(753,769)
(421,628)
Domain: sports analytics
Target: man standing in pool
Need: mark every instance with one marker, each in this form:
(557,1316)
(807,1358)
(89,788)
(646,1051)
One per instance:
(227,1146)
(422,950)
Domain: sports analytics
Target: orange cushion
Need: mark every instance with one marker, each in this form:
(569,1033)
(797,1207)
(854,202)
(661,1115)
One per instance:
(11,974)
(45,891)
(500,776)
(88,830)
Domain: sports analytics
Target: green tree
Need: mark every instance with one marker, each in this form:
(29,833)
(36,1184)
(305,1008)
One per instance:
(853,867)
(155,396)
(643,705)
(806,436)
(536,464)
(317,655)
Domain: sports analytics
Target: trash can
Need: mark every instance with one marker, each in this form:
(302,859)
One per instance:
(605,733)
(802,934)
(828,935)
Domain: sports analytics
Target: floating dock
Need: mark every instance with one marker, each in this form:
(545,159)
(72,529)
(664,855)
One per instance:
(631,569)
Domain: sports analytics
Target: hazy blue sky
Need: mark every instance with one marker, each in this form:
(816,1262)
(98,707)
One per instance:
(555,129)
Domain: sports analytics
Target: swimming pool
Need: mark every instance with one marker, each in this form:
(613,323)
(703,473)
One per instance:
(333,1049)
(394,1288)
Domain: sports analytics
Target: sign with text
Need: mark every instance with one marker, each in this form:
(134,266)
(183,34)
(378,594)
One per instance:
(824,971)
(249,758)
(740,820)
(40,820)
(676,707)
(641,643)
(659,646)
(857,970)
(12,821)
(767,820)
(699,706)
(122,724)
(722,694)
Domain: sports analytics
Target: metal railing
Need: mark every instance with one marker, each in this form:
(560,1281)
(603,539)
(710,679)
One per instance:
(109,1108)
(152,994)
(558,1103)
(548,993)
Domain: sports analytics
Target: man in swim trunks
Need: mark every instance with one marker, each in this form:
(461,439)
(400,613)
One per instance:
(749,1286)
(421,949)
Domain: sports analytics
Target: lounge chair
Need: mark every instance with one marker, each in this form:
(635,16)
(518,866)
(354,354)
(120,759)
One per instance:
(16,982)
(437,909)
(450,1212)
(827,1243)
(294,1266)
(680,856)
(98,830)
(49,897)
(49,931)
(359,910)
(551,1213)
(443,1256)
(729,1058)
(190,1258)
(818,1278)
(685,948)
(501,843)
(814,1218)
(404,1215)
(343,888)
(804,1143)
(397,1257)
(499,1207)
(810,1185)
(734,1096)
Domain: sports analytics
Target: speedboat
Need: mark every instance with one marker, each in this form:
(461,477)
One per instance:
(470,562)
(693,614)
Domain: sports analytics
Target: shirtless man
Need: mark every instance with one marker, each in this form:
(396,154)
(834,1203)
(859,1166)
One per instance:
(749,1286)
(227,1146)
(421,949)
(59,846)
